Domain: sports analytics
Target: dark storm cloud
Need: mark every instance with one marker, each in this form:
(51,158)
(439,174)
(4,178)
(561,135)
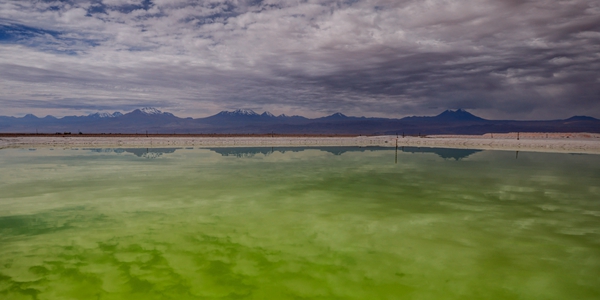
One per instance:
(501,59)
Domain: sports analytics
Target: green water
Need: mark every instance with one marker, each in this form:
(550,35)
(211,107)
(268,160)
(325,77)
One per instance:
(335,223)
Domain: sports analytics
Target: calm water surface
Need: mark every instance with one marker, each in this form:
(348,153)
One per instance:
(330,223)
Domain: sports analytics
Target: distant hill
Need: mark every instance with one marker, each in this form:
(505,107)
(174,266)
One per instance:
(581,118)
(152,120)
(459,115)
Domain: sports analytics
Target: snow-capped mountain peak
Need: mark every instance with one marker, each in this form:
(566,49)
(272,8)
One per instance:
(268,114)
(338,115)
(245,112)
(284,116)
(101,115)
(151,111)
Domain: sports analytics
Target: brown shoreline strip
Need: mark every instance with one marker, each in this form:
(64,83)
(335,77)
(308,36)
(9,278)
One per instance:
(573,144)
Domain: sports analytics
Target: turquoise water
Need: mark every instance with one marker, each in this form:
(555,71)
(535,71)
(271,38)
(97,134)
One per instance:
(291,223)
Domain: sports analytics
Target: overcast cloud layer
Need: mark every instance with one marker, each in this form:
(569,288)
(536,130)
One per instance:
(536,59)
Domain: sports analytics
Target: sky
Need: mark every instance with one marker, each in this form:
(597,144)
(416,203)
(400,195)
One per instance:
(499,59)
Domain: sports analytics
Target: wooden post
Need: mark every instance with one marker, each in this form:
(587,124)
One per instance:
(396,160)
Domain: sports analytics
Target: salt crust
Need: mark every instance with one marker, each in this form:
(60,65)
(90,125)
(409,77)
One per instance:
(536,142)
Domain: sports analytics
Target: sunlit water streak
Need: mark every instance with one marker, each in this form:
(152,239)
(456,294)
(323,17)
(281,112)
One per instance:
(288,223)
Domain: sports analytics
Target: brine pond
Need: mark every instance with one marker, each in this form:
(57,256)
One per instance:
(298,223)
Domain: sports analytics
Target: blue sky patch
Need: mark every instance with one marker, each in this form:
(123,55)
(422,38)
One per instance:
(17,32)
(43,39)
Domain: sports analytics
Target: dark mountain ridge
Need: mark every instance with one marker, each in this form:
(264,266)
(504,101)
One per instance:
(581,118)
(152,120)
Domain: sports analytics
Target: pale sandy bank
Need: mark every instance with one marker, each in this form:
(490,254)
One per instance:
(539,142)
(535,142)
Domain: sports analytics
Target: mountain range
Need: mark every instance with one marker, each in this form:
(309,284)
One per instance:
(245,121)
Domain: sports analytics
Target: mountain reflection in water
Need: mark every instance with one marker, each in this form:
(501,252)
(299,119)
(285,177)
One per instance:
(139,152)
(445,153)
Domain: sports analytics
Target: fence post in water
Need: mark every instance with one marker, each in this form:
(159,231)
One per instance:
(396,159)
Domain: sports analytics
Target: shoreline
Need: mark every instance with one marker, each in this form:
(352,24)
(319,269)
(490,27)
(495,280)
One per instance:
(584,143)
